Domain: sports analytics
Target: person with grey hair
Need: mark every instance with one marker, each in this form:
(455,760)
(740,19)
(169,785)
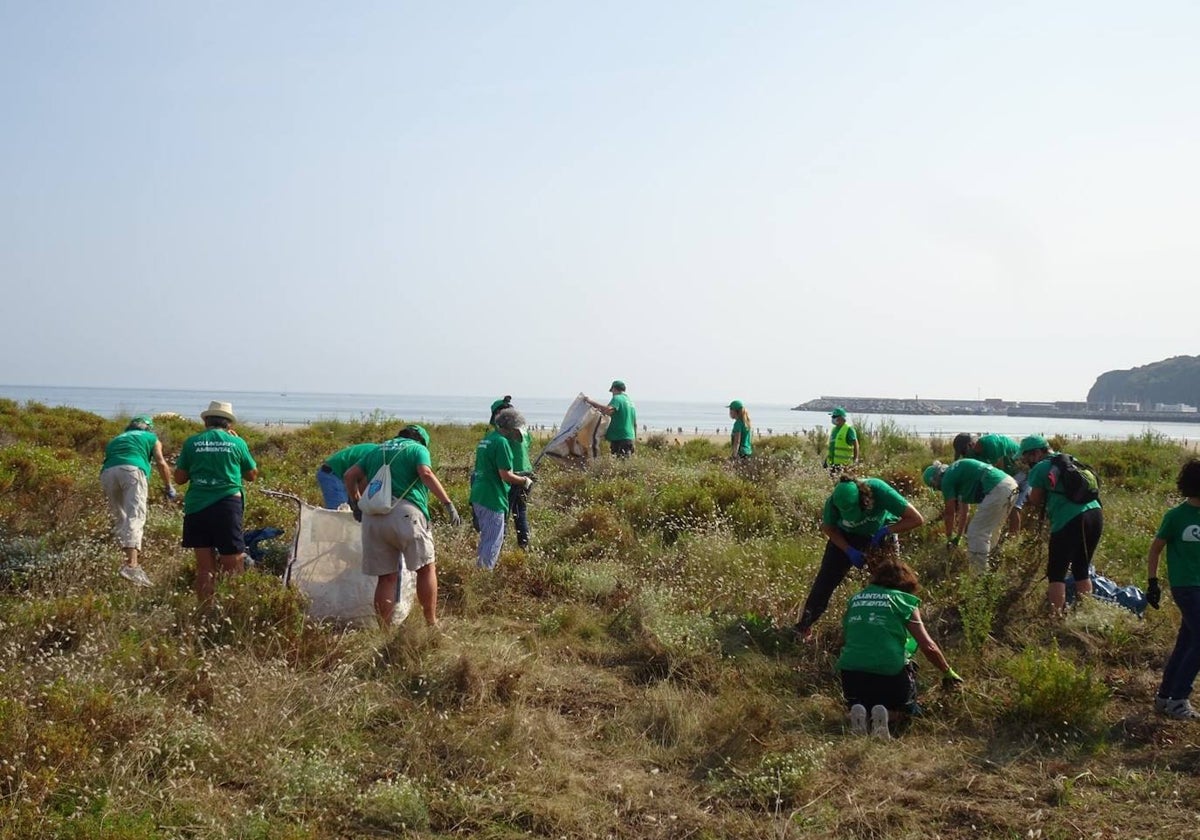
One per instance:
(124,478)
(493,475)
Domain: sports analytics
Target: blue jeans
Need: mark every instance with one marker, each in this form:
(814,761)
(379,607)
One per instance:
(333,489)
(517,504)
(1184,664)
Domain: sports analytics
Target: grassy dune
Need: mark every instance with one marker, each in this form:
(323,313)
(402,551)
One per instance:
(631,676)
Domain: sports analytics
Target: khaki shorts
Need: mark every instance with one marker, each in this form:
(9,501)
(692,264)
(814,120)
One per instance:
(402,535)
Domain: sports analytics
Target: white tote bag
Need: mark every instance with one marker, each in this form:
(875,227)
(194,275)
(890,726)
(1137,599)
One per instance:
(377,498)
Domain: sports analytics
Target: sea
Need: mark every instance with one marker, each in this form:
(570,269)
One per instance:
(670,417)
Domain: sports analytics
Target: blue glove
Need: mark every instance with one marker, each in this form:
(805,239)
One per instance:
(880,535)
(172,495)
(857,558)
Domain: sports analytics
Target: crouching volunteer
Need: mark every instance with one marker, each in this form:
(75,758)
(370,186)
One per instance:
(401,534)
(968,482)
(124,477)
(1075,527)
(883,630)
(1003,453)
(331,475)
(494,474)
(214,464)
(860,514)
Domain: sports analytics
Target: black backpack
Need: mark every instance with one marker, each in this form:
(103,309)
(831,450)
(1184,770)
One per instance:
(1074,479)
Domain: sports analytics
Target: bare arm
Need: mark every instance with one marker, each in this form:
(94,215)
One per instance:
(926,643)
(160,464)
(430,480)
(856,450)
(950,516)
(510,477)
(250,475)
(606,410)
(910,519)
(737,444)
(356,481)
(1156,549)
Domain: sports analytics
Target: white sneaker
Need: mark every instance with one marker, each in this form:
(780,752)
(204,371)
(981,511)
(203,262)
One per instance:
(1181,710)
(135,575)
(858,719)
(879,722)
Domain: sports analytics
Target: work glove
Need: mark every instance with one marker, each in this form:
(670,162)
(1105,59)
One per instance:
(880,535)
(172,493)
(452,512)
(951,679)
(1153,593)
(356,510)
(857,558)
(952,542)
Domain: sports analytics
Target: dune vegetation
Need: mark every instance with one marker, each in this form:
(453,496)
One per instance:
(632,675)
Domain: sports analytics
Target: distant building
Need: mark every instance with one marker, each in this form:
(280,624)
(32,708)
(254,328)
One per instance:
(1178,408)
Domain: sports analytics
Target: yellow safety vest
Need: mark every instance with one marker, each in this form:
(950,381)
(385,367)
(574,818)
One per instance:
(840,450)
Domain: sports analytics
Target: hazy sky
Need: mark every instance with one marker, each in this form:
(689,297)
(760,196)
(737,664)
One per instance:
(708,200)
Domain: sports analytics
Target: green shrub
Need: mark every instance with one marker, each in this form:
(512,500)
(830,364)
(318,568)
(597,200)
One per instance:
(1050,693)
(392,805)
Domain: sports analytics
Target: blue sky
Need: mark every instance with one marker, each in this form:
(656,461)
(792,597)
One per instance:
(768,200)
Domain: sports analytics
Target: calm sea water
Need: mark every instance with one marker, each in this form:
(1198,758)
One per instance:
(547,412)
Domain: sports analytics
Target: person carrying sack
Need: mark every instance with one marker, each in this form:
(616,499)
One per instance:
(395,525)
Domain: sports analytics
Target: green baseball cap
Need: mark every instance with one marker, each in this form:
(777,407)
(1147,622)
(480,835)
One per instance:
(420,430)
(142,421)
(736,405)
(933,474)
(503,402)
(838,412)
(617,385)
(845,498)
(1032,443)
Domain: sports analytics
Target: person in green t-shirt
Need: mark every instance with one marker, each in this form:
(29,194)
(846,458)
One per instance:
(1179,534)
(332,473)
(401,537)
(739,437)
(1003,453)
(883,629)
(124,478)
(214,464)
(493,475)
(622,414)
(970,482)
(843,443)
(1075,527)
(518,496)
(859,515)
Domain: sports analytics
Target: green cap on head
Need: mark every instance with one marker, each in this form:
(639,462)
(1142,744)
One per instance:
(838,412)
(1033,443)
(617,385)
(142,421)
(933,474)
(421,433)
(845,498)
(736,405)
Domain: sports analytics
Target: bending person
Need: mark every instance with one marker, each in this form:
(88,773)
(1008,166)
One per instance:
(883,630)
(967,482)
(859,514)
(124,477)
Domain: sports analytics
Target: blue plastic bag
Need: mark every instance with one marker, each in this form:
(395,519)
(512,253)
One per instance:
(1104,589)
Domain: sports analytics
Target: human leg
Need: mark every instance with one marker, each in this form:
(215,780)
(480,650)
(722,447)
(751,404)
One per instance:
(834,566)
(417,549)
(333,490)
(427,587)
(206,569)
(1092,524)
(491,535)
(517,501)
(990,515)
(1064,544)
(1179,676)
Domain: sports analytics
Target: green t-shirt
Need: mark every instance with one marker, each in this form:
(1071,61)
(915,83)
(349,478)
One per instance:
(623,425)
(876,634)
(741,428)
(841,444)
(888,507)
(1180,530)
(133,448)
(968,480)
(402,456)
(344,459)
(520,453)
(1000,449)
(492,454)
(1059,508)
(215,462)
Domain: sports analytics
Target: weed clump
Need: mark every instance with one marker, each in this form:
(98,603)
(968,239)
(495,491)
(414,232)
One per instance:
(1051,693)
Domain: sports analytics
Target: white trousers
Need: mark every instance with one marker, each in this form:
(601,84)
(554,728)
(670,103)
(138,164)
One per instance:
(989,518)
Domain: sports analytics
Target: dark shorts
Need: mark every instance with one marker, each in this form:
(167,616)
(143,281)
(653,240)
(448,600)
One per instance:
(1072,546)
(217,526)
(897,691)
(621,448)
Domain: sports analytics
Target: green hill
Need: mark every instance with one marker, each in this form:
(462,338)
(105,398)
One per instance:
(1174,380)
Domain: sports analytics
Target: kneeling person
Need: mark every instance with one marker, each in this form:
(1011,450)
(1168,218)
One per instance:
(402,534)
